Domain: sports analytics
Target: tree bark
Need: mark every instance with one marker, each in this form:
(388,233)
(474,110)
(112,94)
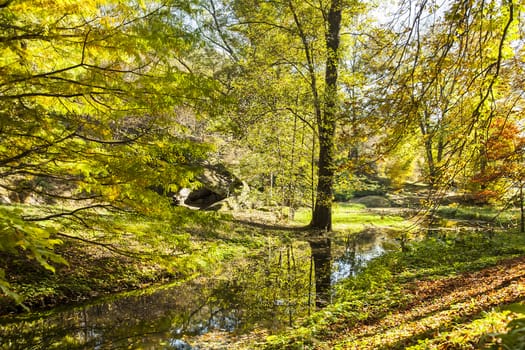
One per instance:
(522,211)
(322,215)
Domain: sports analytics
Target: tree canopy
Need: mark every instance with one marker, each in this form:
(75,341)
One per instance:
(97,98)
(88,112)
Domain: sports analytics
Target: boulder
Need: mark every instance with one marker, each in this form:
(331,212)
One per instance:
(219,185)
(374,202)
(202,198)
(219,180)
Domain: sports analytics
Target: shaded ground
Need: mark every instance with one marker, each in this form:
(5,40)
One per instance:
(91,272)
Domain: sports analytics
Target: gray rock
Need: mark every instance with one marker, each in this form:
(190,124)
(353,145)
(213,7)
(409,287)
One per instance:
(374,202)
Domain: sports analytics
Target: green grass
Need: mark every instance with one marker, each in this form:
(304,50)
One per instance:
(497,216)
(352,217)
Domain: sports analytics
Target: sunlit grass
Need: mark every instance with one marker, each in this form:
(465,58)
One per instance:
(355,217)
(475,334)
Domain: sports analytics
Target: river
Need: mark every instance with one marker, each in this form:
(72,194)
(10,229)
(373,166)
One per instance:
(272,290)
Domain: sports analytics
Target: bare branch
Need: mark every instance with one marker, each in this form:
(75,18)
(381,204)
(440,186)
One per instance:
(70,213)
(107,246)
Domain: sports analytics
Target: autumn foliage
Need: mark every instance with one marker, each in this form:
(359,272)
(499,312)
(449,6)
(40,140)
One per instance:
(501,161)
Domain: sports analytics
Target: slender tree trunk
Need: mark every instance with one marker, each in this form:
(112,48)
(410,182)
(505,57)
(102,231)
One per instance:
(322,215)
(293,178)
(313,86)
(429,156)
(310,284)
(522,212)
(312,172)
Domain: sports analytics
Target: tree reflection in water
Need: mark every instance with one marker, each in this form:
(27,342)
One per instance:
(322,258)
(270,290)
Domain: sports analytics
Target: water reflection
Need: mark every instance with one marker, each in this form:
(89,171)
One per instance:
(322,258)
(269,291)
(358,251)
(272,290)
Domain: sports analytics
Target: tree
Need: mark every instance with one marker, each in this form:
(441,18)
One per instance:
(289,44)
(87,113)
(502,176)
(327,122)
(449,67)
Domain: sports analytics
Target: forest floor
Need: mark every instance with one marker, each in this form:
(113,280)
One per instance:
(446,293)
(441,314)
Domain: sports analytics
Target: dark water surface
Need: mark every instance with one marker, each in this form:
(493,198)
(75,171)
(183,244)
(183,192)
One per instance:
(270,291)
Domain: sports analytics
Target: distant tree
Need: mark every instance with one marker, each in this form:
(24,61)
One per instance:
(502,177)
(450,72)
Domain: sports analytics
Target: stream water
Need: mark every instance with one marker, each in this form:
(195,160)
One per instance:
(270,291)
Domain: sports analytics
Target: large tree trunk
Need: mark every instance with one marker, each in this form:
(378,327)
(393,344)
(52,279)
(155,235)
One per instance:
(322,215)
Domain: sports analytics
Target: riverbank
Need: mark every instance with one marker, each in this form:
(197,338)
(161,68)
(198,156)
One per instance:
(140,253)
(137,252)
(440,294)
(468,311)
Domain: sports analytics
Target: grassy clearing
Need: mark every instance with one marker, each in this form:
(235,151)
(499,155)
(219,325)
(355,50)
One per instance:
(352,217)
(501,218)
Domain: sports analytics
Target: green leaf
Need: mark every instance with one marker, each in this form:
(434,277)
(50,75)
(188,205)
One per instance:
(517,308)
